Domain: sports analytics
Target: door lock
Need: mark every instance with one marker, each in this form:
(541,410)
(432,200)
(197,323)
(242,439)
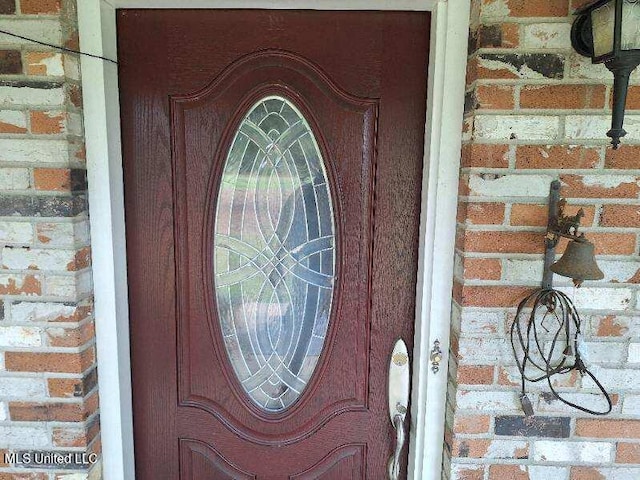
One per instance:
(398,402)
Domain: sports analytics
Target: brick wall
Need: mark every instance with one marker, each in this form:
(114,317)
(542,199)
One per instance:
(537,111)
(48,393)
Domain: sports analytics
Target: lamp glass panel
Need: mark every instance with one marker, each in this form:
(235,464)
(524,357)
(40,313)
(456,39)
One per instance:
(630,39)
(603,22)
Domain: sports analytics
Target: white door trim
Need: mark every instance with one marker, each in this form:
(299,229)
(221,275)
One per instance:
(446,84)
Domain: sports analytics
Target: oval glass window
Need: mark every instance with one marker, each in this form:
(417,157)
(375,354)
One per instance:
(274,253)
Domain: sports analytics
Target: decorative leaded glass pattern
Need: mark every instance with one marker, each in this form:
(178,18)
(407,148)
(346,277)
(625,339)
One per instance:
(274,253)
(602,21)
(630,38)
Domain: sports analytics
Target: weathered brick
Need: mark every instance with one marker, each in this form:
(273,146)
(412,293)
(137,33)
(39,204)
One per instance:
(517,65)
(482,268)
(489,295)
(587,452)
(503,242)
(40,7)
(512,472)
(14,336)
(467,472)
(32,436)
(516,127)
(601,428)
(519,426)
(44,63)
(10,60)
(625,157)
(7,7)
(592,473)
(505,35)
(72,387)
(497,185)
(548,35)
(628,452)
(19,92)
(600,186)
(529,8)
(556,156)
(538,215)
(562,96)
(60,179)
(25,312)
(46,412)
(475,375)
(12,121)
(483,213)
(49,123)
(620,216)
(16,387)
(495,97)
(46,206)
(70,337)
(49,362)
(485,155)
(17,284)
(470,424)
(15,178)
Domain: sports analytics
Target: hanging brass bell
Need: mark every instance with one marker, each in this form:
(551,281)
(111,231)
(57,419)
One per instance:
(578,262)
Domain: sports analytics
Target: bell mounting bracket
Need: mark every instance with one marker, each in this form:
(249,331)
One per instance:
(559,226)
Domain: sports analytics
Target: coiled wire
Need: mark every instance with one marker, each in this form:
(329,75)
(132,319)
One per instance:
(526,335)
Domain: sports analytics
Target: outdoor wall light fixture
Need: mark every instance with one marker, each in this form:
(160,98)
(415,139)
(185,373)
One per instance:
(608,31)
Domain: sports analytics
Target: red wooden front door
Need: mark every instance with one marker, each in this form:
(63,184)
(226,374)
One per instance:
(272,166)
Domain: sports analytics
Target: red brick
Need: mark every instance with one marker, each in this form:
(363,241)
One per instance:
(556,157)
(495,97)
(482,269)
(562,96)
(538,215)
(54,179)
(625,157)
(27,285)
(40,7)
(611,243)
(471,424)
(23,476)
(47,123)
(46,412)
(633,98)
(475,375)
(489,295)
(601,428)
(611,326)
(49,362)
(628,453)
(482,213)
(535,8)
(574,187)
(470,472)
(64,387)
(504,242)
(620,216)
(508,472)
(505,35)
(470,447)
(484,155)
(586,473)
(71,337)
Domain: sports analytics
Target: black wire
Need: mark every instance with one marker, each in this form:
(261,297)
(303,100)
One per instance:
(58,47)
(560,306)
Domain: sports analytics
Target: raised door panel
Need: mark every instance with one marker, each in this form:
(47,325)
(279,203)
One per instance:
(204,127)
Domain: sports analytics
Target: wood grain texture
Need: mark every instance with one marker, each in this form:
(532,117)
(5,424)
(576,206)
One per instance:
(187,77)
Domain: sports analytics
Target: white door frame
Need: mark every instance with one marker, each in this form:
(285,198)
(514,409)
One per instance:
(445,99)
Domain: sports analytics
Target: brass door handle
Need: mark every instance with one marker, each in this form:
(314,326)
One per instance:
(398,402)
